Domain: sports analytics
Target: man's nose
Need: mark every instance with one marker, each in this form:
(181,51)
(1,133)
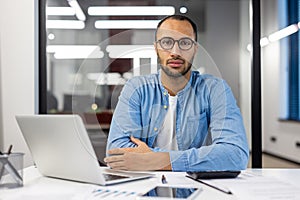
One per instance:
(175,50)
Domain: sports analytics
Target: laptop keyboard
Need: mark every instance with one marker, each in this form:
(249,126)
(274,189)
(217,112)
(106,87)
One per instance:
(111,177)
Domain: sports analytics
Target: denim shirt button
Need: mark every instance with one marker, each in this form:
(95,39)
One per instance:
(165,107)
(155,129)
(165,93)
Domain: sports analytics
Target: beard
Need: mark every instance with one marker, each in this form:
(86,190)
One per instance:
(173,73)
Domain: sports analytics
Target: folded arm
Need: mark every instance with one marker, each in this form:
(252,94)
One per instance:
(140,157)
(212,157)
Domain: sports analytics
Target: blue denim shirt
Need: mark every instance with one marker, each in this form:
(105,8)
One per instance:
(209,127)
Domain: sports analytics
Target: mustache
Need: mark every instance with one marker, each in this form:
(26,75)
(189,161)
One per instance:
(174,59)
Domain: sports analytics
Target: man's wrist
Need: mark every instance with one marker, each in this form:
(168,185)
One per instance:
(160,161)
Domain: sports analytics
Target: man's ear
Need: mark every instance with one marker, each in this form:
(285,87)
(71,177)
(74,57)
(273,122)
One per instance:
(196,46)
(155,46)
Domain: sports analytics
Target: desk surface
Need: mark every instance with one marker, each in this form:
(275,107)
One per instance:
(271,183)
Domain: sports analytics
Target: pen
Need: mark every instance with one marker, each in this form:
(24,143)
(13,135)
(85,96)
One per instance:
(212,186)
(2,169)
(163,179)
(9,149)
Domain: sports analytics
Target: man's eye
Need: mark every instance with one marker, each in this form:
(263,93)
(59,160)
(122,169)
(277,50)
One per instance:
(185,42)
(167,42)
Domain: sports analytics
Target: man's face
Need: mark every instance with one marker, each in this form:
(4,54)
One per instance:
(175,62)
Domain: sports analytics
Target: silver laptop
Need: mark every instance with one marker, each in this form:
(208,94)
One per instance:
(61,148)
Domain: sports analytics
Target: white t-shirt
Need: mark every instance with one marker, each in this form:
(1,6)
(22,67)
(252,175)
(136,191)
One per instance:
(166,138)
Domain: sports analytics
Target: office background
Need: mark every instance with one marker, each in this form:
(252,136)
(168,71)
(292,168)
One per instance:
(18,70)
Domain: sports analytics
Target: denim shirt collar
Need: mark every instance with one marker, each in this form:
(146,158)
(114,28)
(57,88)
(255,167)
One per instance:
(186,87)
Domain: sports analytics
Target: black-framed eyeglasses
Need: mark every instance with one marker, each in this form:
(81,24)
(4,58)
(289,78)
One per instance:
(168,43)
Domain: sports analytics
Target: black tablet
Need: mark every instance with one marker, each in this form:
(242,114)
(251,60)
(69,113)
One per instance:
(169,192)
(213,174)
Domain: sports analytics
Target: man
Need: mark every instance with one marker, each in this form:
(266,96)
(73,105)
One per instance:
(177,119)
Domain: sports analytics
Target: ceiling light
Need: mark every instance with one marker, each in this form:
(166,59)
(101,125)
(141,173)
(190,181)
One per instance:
(75,51)
(78,11)
(64,24)
(113,78)
(62,11)
(277,35)
(51,36)
(264,41)
(126,24)
(131,51)
(131,10)
(183,10)
(283,33)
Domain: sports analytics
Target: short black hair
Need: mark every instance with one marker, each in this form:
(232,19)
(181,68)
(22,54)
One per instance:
(180,18)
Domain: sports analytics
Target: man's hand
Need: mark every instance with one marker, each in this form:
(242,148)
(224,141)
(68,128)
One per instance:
(138,161)
(138,158)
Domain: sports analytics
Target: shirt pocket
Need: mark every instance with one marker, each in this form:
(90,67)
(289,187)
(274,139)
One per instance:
(196,129)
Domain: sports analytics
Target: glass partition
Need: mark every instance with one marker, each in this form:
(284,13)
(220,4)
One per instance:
(94,47)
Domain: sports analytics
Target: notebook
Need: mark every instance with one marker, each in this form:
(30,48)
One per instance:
(61,148)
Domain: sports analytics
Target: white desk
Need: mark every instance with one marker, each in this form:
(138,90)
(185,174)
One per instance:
(39,187)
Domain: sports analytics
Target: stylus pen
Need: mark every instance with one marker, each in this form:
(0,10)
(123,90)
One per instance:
(163,179)
(212,186)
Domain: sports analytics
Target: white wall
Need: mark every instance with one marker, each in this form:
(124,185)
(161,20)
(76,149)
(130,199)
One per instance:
(17,63)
